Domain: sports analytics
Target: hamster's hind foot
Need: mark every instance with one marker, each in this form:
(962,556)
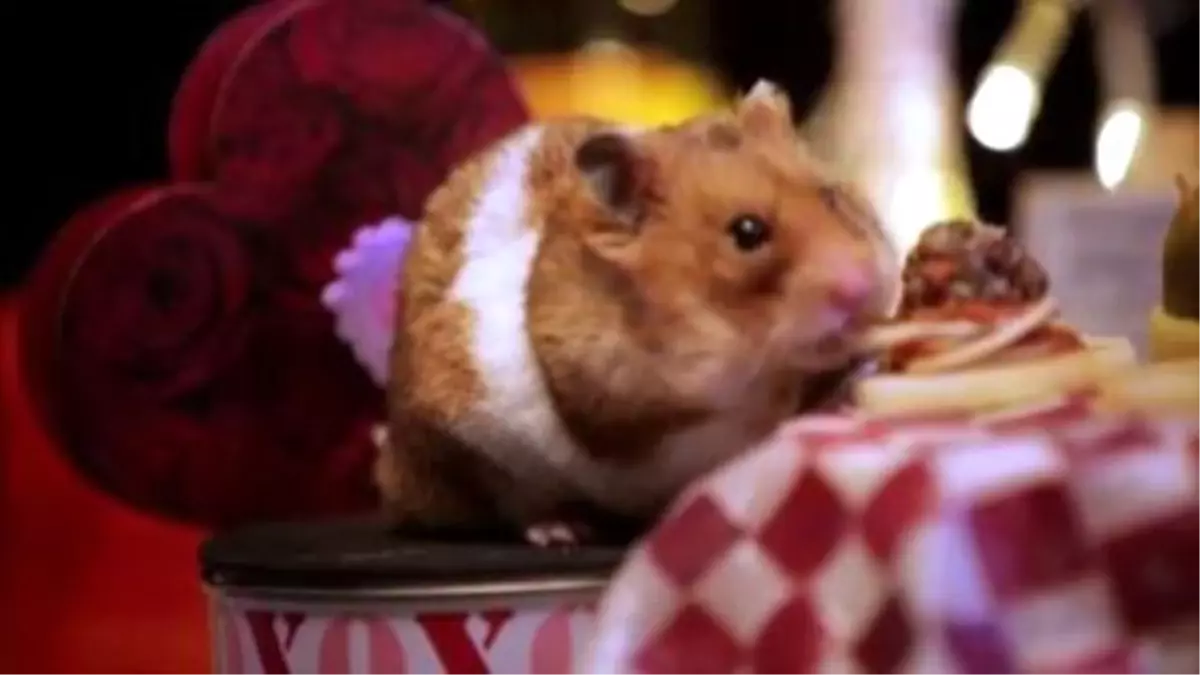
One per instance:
(578,525)
(558,534)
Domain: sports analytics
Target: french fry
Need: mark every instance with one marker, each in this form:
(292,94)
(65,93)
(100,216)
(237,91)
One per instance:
(1171,387)
(991,387)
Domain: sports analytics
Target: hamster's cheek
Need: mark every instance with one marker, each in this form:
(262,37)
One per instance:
(888,268)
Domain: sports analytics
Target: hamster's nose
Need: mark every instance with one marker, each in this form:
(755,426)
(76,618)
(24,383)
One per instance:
(851,288)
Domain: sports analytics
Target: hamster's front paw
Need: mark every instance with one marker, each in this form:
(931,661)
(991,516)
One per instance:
(559,534)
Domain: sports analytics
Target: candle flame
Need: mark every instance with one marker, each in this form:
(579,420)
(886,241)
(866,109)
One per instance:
(1001,111)
(1117,143)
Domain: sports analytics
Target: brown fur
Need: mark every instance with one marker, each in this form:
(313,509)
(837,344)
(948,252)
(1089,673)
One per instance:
(573,313)
(433,480)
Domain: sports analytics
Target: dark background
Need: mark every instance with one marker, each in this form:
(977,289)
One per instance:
(91,96)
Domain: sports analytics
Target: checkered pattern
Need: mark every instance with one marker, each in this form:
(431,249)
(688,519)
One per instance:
(1052,539)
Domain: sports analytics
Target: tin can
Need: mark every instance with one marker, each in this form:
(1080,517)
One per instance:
(351,597)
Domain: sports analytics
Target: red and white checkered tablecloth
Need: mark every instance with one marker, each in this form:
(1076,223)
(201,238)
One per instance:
(1050,540)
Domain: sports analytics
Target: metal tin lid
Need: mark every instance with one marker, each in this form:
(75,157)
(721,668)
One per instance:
(363,554)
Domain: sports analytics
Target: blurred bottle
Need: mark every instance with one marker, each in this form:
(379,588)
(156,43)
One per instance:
(889,118)
(1175,323)
(633,61)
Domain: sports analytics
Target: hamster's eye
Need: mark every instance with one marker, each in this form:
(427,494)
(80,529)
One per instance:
(749,233)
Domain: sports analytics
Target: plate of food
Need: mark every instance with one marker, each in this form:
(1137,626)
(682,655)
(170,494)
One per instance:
(977,328)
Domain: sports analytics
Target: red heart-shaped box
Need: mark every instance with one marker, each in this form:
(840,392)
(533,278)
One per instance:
(172,337)
(187,135)
(337,113)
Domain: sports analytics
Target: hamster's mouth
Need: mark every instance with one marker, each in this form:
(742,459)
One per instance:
(836,346)
(826,352)
(832,389)
(832,345)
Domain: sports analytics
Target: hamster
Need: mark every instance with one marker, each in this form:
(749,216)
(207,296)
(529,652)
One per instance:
(593,315)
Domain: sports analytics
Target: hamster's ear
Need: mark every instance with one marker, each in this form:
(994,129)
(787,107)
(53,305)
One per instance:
(615,169)
(766,110)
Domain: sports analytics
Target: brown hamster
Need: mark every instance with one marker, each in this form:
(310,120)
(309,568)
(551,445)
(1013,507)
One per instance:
(593,315)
